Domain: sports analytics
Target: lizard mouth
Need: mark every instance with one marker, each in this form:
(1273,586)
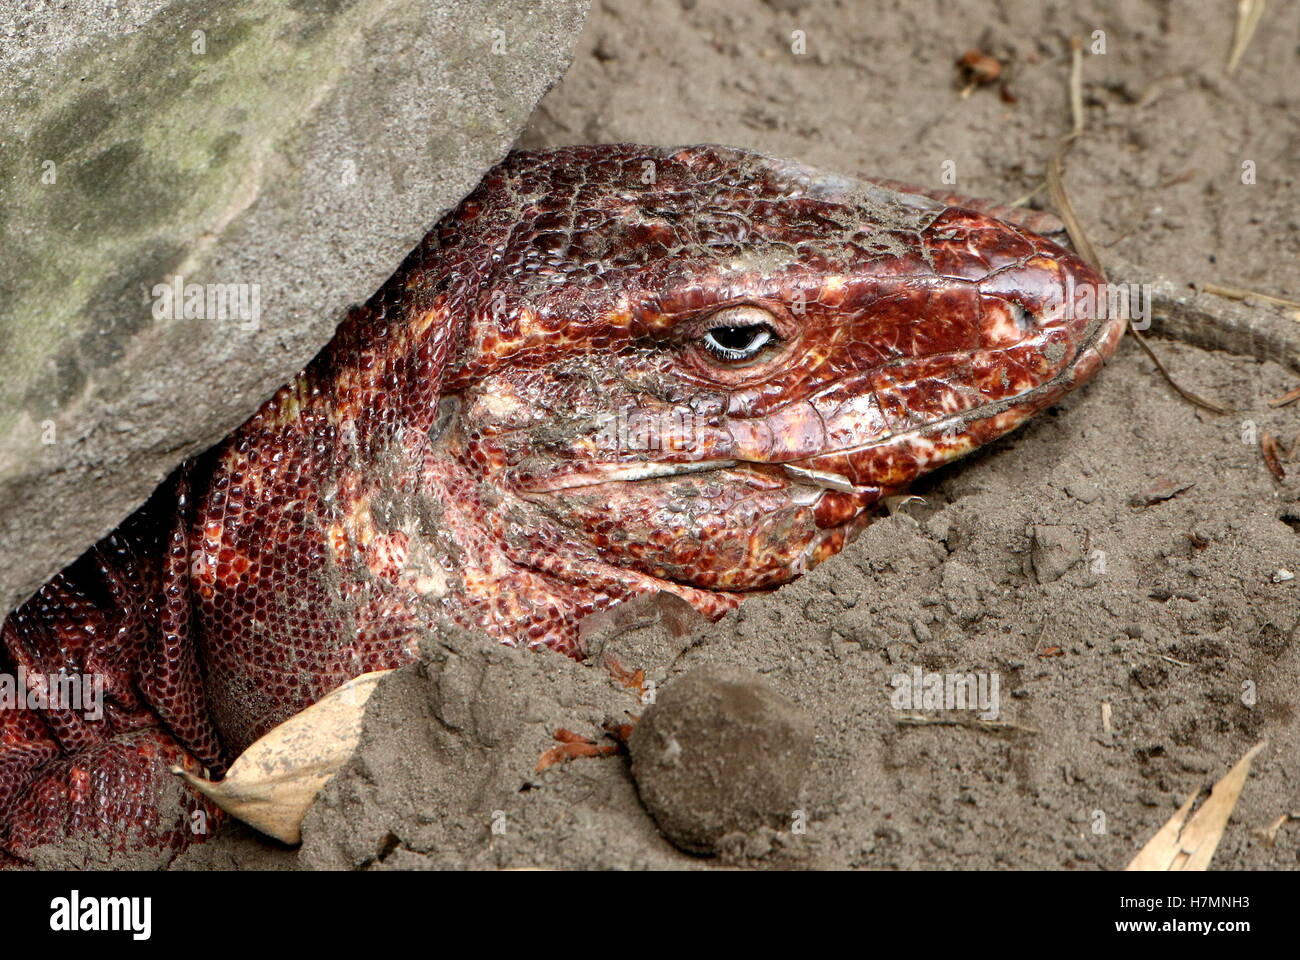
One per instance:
(594,474)
(601,473)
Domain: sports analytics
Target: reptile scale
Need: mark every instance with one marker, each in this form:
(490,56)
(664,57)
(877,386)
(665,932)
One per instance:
(612,370)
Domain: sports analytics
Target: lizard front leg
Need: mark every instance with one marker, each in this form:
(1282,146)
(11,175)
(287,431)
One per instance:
(85,751)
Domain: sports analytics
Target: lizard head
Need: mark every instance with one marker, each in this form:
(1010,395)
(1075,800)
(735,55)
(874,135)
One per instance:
(708,366)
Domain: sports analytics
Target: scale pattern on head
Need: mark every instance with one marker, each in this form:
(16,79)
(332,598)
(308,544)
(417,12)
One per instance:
(606,385)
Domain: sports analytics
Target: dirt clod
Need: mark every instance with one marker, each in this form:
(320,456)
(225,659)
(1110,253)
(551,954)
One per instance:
(1053,551)
(721,753)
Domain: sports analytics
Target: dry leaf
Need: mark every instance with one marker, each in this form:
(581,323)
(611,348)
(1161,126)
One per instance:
(1160,489)
(1272,451)
(893,504)
(276,779)
(674,614)
(1188,845)
(979,67)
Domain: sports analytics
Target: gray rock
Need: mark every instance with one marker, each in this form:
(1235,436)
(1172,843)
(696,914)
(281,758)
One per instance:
(298,150)
(721,754)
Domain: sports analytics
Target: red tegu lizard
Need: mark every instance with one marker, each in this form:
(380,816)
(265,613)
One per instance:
(612,370)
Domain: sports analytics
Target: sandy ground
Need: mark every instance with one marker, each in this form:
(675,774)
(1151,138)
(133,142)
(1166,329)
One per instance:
(1028,561)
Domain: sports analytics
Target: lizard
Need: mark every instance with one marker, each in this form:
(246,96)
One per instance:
(612,370)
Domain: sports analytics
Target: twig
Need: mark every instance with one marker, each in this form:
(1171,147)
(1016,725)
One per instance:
(1056,165)
(1020,202)
(1240,293)
(1291,396)
(1269,833)
(1182,391)
(1061,200)
(979,723)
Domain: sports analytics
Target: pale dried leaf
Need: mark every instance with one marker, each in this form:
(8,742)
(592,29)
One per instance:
(1162,848)
(1249,13)
(274,781)
(1176,846)
(895,503)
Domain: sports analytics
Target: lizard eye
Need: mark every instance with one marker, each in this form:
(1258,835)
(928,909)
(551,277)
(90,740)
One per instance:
(738,334)
(737,343)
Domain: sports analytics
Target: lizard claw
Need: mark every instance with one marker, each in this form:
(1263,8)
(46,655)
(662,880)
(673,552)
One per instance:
(633,680)
(574,745)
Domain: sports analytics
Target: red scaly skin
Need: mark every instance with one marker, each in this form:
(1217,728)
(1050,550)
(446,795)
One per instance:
(613,370)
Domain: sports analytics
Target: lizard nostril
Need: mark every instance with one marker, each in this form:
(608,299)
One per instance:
(1023,319)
